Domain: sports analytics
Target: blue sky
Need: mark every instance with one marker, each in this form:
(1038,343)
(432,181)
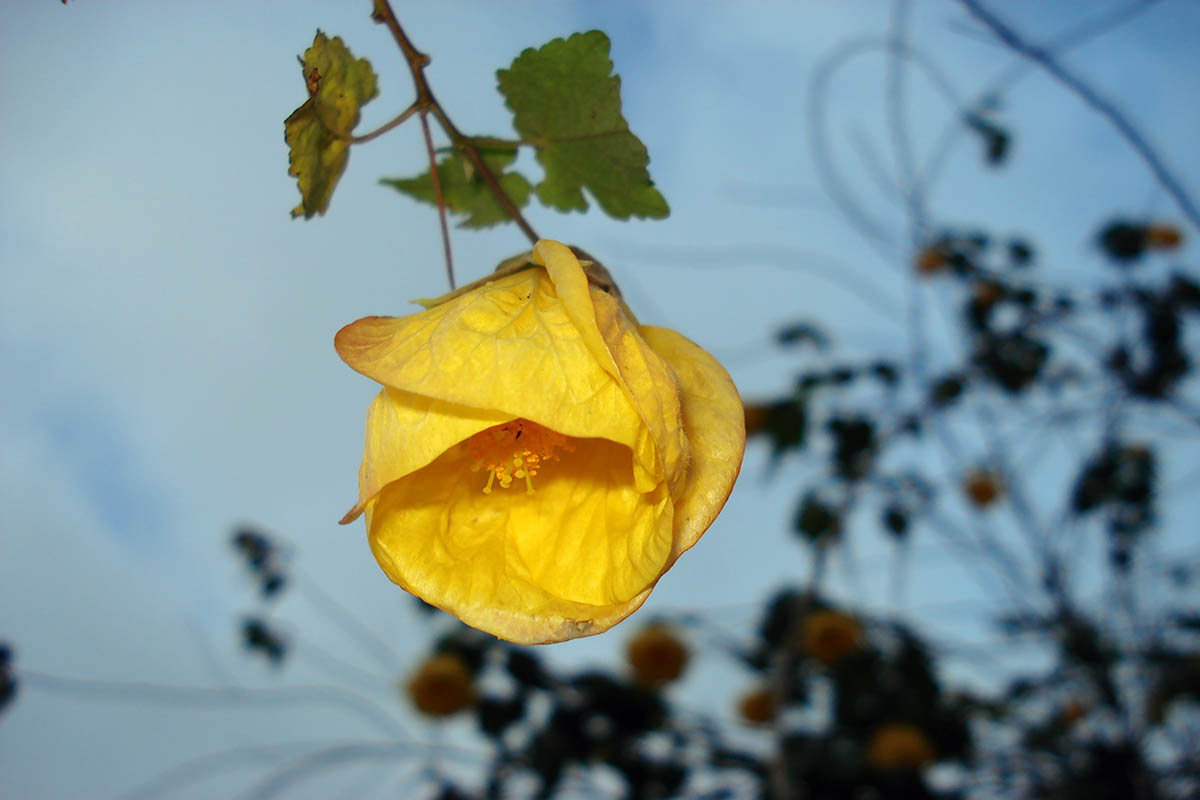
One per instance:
(166,361)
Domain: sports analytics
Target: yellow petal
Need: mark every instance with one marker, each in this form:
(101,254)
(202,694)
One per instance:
(715,424)
(571,286)
(653,388)
(508,347)
(620,350)
(407,431)
(572,558)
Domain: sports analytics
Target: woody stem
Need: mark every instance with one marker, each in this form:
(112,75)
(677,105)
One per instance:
(417,61)
(441,204)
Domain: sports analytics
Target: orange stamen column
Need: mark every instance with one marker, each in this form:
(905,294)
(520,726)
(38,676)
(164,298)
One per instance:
(515,449)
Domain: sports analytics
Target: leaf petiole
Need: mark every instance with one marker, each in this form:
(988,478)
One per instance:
(387,126)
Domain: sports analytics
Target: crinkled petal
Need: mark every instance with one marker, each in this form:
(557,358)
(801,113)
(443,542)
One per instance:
(714,421)
(509,346)
(620,350)
(407,431)
(570,559)
(653,387)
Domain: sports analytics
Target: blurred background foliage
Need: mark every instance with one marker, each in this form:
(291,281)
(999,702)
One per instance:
(836,701)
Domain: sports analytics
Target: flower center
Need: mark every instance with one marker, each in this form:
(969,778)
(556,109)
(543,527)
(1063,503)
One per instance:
(514,450)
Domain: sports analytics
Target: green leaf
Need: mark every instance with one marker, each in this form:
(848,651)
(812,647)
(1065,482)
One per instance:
(567,103)
(316,133)
(465,192)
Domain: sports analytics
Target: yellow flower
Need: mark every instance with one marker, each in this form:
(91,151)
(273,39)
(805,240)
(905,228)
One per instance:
(983,487)
(758,706)
(897,745)
(442,686)
(657,656)
(1163,236)
(536,461)
(830,636)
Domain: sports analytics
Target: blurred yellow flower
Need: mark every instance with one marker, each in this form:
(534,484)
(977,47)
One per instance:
(830,636)
(657,656)
(1163,236)
(536,460)
(441,686)
(758,706)
(983,487)
(897,745)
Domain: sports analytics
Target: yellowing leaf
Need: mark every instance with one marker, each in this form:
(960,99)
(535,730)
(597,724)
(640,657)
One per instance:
(566,101)
(317,132)
(464,192)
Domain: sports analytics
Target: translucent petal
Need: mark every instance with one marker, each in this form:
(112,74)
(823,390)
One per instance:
(620,350)
(715,424)
(653,387)
(573,557)
(407,431)
(508,347)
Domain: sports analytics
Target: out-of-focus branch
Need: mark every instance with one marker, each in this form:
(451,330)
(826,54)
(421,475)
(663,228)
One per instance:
(1074,37)
(228,696)
(1105,108)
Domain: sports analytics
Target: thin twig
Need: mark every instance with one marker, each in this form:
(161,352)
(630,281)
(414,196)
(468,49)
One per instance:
(417,61)
(440,200)
(501,196)
(387,126)
(278,782)
(898,125)
(876,171)
(1124,126)
(348,623)
(1074,37)
(209,696)
(206,766)
(1022,508)
(843,274)
(205,645)
(496,143)
(873,231)
(337,667)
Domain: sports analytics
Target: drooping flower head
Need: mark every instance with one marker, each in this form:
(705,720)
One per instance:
(536,460)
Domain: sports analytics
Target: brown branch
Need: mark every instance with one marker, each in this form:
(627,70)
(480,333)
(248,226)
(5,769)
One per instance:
(496,142)
(426,102)
(417,61)
(502,198)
